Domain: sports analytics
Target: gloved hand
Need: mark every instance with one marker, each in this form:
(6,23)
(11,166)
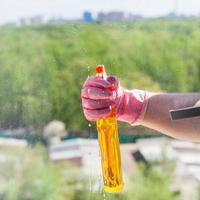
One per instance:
(100,95)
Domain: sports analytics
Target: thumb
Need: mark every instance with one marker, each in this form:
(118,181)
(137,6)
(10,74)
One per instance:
(114,83)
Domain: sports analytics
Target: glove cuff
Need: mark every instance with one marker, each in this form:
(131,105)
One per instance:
(132,106)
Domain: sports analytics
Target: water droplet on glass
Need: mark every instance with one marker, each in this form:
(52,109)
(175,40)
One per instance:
(88,70)
(104,196)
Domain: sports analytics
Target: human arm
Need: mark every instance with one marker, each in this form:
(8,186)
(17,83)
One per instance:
(140,107)
(157,115)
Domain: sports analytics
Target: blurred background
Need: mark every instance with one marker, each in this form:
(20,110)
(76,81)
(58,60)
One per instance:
(48,150)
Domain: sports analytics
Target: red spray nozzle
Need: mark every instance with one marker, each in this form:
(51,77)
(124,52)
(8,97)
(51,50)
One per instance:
(100,71)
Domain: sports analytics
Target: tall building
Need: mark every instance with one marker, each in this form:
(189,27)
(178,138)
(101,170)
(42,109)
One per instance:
(87,16)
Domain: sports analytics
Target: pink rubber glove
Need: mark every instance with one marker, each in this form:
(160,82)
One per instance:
(100,95)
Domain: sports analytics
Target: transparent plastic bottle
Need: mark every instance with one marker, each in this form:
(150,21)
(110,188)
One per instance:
(109,147)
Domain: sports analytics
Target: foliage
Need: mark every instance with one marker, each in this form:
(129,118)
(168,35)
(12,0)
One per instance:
(149,183)
(42,68)
(29,175)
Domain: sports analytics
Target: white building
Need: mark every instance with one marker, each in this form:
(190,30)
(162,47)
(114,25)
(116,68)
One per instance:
(84,153)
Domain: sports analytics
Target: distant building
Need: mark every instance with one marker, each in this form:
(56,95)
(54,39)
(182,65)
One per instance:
(84,154)
(31,20)
(12,143)
(111,16)
(23,21)
(80,153)
(57,20)
(171,15)
(37,19)
(132,17)
(87,17)
(187,158)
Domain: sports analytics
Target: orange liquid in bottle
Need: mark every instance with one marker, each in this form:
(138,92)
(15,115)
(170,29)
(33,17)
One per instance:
(110,153)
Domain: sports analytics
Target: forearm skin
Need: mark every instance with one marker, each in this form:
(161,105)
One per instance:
(157,115)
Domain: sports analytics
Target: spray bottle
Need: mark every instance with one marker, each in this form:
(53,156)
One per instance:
(109,147)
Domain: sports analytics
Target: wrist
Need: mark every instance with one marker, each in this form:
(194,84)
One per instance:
(132,106)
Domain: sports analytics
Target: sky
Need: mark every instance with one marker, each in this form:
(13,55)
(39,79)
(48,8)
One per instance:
(12,10)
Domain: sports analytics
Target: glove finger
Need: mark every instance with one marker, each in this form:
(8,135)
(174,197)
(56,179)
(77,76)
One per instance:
(96,104)
(95,81)
(96,93)
(94,115)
